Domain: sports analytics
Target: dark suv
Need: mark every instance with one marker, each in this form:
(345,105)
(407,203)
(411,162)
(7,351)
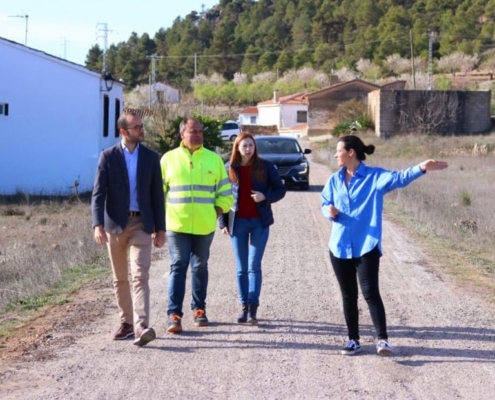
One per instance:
(288,157)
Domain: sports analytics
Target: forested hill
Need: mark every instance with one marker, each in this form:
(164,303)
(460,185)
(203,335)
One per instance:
(277,35)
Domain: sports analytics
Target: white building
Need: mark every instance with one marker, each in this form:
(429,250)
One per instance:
(162,93)
(249,116)
(55,118)
(285,112)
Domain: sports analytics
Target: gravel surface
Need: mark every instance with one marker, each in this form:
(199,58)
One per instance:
(444,339)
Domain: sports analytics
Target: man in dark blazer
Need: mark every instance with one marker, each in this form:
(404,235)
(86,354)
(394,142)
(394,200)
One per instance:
(129,213)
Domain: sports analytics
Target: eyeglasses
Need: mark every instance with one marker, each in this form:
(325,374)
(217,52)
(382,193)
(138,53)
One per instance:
(137,127)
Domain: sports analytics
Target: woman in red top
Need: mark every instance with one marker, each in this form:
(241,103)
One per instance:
(255,185)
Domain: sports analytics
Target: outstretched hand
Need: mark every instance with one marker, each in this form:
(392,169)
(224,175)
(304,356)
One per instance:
(433,165)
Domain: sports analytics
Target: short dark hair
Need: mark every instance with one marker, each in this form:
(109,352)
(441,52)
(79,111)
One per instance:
(123,122)
(184,122)
(355,143)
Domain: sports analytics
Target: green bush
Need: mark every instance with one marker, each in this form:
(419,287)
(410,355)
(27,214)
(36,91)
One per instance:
(211,134)
(341,129)
(365,122)
(444,83)
(465,198)
(360,123)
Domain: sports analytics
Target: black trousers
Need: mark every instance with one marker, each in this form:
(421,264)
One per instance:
(366,269)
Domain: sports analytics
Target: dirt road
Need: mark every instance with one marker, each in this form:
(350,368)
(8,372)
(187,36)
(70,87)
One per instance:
(444,340)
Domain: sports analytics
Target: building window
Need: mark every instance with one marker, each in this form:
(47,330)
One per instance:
(302,116)
(253,121)
(117,115)
(106,109)
(4,109)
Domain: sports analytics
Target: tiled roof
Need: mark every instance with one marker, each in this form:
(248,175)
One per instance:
(297,98)
(339,85)
(250,110)
(167,84)
(140,112)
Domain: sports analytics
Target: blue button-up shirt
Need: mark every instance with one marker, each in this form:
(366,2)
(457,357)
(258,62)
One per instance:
(131,162)
(358,228)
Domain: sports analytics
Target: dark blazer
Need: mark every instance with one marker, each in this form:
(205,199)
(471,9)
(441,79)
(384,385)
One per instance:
(270,185)
(111,192)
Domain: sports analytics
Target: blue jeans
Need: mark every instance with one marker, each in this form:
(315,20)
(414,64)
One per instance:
(188,249)
(249,240)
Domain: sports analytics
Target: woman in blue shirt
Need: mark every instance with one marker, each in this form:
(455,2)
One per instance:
(353,200)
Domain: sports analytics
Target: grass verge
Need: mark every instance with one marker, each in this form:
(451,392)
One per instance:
(24,310)
(472,270)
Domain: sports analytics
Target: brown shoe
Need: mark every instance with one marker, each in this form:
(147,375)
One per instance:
(174,324)
(199,316)
(144,335)
(124,332)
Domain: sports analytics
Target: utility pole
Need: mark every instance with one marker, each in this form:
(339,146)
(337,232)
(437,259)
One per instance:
(431,35)
(412,59)
(149,92)
(26,17)
(103,27)
(64,44)
(195,65)
(153,68)
(152,78)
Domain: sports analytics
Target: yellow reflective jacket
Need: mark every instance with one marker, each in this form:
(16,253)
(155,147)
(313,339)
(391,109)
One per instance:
(194,184)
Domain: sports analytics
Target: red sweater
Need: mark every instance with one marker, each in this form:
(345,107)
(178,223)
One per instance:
(246,207)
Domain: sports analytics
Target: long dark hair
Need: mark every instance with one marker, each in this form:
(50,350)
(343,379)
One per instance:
(355,143)
(236,158)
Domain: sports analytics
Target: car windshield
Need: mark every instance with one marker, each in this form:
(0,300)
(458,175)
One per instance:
(277,146)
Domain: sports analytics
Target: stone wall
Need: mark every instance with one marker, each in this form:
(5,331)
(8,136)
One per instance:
(429,111)
(260,129)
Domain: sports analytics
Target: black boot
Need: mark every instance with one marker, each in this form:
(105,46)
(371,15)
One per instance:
(251,319)
(242,317)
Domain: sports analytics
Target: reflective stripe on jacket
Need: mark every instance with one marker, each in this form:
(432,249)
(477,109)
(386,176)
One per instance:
(194,184)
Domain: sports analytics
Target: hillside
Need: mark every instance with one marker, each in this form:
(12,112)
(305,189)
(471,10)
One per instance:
(254,36)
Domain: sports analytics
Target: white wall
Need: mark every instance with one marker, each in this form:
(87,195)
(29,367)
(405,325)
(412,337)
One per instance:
(245,119)
(283,115)
(170,94)
(289,114)
(269,115)
(54,131)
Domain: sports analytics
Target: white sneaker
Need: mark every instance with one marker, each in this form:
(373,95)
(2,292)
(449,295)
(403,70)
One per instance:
(351,347)
(383,348)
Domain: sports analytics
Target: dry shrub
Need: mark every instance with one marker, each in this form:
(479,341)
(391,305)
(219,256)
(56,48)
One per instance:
(12,211)
(35,252)
(456,203)
(350,111)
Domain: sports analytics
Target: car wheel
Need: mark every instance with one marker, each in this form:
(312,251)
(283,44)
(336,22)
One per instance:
(233,137)
(305,186)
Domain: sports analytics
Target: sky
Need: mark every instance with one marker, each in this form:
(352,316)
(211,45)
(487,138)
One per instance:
(69,28)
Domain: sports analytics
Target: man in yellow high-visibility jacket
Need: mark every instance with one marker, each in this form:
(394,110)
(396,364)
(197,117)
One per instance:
(197,190)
